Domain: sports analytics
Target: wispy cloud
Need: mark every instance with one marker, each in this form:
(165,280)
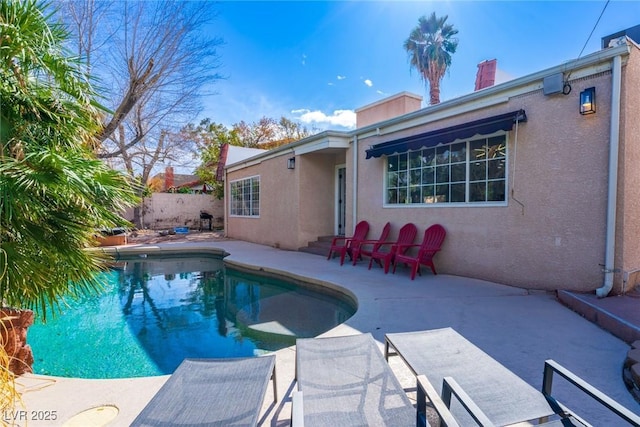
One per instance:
(368,82)
(304,59)
(341,118)
(381,92)
(339,77)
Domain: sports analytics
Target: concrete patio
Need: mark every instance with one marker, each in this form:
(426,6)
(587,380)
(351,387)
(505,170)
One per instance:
(519,328)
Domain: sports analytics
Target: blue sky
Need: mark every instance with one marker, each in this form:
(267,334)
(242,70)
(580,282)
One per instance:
(315,62)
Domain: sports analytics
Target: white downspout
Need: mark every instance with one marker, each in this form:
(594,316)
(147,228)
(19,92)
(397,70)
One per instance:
(614,137)
(354,211)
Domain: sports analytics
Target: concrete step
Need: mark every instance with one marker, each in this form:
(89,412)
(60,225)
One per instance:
(319,247)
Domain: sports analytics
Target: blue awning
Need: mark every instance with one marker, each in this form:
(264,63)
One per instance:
(485,126)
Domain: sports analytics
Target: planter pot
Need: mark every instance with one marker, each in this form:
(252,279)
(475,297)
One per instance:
(13,333)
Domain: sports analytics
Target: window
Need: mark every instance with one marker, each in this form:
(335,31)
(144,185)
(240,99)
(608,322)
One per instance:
(465,172)
(245,197)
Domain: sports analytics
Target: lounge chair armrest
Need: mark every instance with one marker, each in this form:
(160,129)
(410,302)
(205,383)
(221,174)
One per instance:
(550,366)
(297,412)
(451,387)
(426,390)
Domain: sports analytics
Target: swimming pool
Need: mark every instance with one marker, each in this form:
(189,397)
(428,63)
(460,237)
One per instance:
(154,312)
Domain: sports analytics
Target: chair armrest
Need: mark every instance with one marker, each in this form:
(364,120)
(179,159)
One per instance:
(429,251)
(297,412)
(550,366)
(337,239)
(451,387)
(426,390)
(414,245)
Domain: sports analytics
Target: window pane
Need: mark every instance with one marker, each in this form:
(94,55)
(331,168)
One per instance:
(428,193)
(496,168)
(442,155)
(442,174)
(429,157)
(459,152)
(402,195)
(478,171)
(458,172)
(477,192)
(392,180)
(392,196)
(392,163)
(402,179)
(496,147)
(457,193)
(442,193)
(415,159)
(428,175)
(402,162)
(495,191)
(415,177)
(478,149)
(415,194)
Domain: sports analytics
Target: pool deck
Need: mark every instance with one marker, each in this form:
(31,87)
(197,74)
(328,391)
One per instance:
(517,327)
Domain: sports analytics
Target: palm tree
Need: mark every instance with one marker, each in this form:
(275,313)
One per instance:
(54,193)
(430,46)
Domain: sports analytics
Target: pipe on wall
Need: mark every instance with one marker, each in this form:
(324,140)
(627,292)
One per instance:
(354,213)
(614,138)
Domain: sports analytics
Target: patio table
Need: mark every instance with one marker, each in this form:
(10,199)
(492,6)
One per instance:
(503,396)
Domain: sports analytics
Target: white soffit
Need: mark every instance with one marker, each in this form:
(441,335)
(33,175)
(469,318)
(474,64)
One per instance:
(323,144)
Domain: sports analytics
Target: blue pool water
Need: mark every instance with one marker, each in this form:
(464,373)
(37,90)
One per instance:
(153,313)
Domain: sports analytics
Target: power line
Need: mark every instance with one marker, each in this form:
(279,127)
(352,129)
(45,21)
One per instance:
(594,28)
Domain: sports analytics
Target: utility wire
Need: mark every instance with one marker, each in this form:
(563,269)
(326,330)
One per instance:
(594,28)
(566,84)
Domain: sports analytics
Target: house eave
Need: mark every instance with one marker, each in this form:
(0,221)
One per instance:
(594,63)
(321,141)
(499,94)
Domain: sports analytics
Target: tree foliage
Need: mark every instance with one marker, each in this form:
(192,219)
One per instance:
(266,133)
(430,46)
(54,192)
(155,61)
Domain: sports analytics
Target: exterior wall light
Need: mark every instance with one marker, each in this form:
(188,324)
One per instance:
(291,163)
(588,101)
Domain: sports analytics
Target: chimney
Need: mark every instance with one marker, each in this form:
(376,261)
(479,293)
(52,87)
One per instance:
(168,178)
(486,75)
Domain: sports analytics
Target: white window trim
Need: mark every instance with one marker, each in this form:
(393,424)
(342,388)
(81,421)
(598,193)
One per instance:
(504,203)
(231,200)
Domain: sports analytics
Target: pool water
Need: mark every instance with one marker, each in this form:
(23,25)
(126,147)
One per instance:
(153,313)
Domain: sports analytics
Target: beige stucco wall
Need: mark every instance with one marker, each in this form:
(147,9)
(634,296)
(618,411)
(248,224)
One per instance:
(393,106)
(296,205)
(550,234)
(555,239)
(628,211)
(278,205)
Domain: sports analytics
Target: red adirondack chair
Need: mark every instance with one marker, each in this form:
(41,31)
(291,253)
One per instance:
(431,244)
(387,251)
(344,245)
(367,247)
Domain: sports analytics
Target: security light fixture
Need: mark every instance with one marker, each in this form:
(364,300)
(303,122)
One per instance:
(291,163)
(588,101)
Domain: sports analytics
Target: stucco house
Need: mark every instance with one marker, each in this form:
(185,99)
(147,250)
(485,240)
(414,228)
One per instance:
(536,180)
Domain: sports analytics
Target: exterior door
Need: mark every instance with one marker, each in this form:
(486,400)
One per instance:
(341,199)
